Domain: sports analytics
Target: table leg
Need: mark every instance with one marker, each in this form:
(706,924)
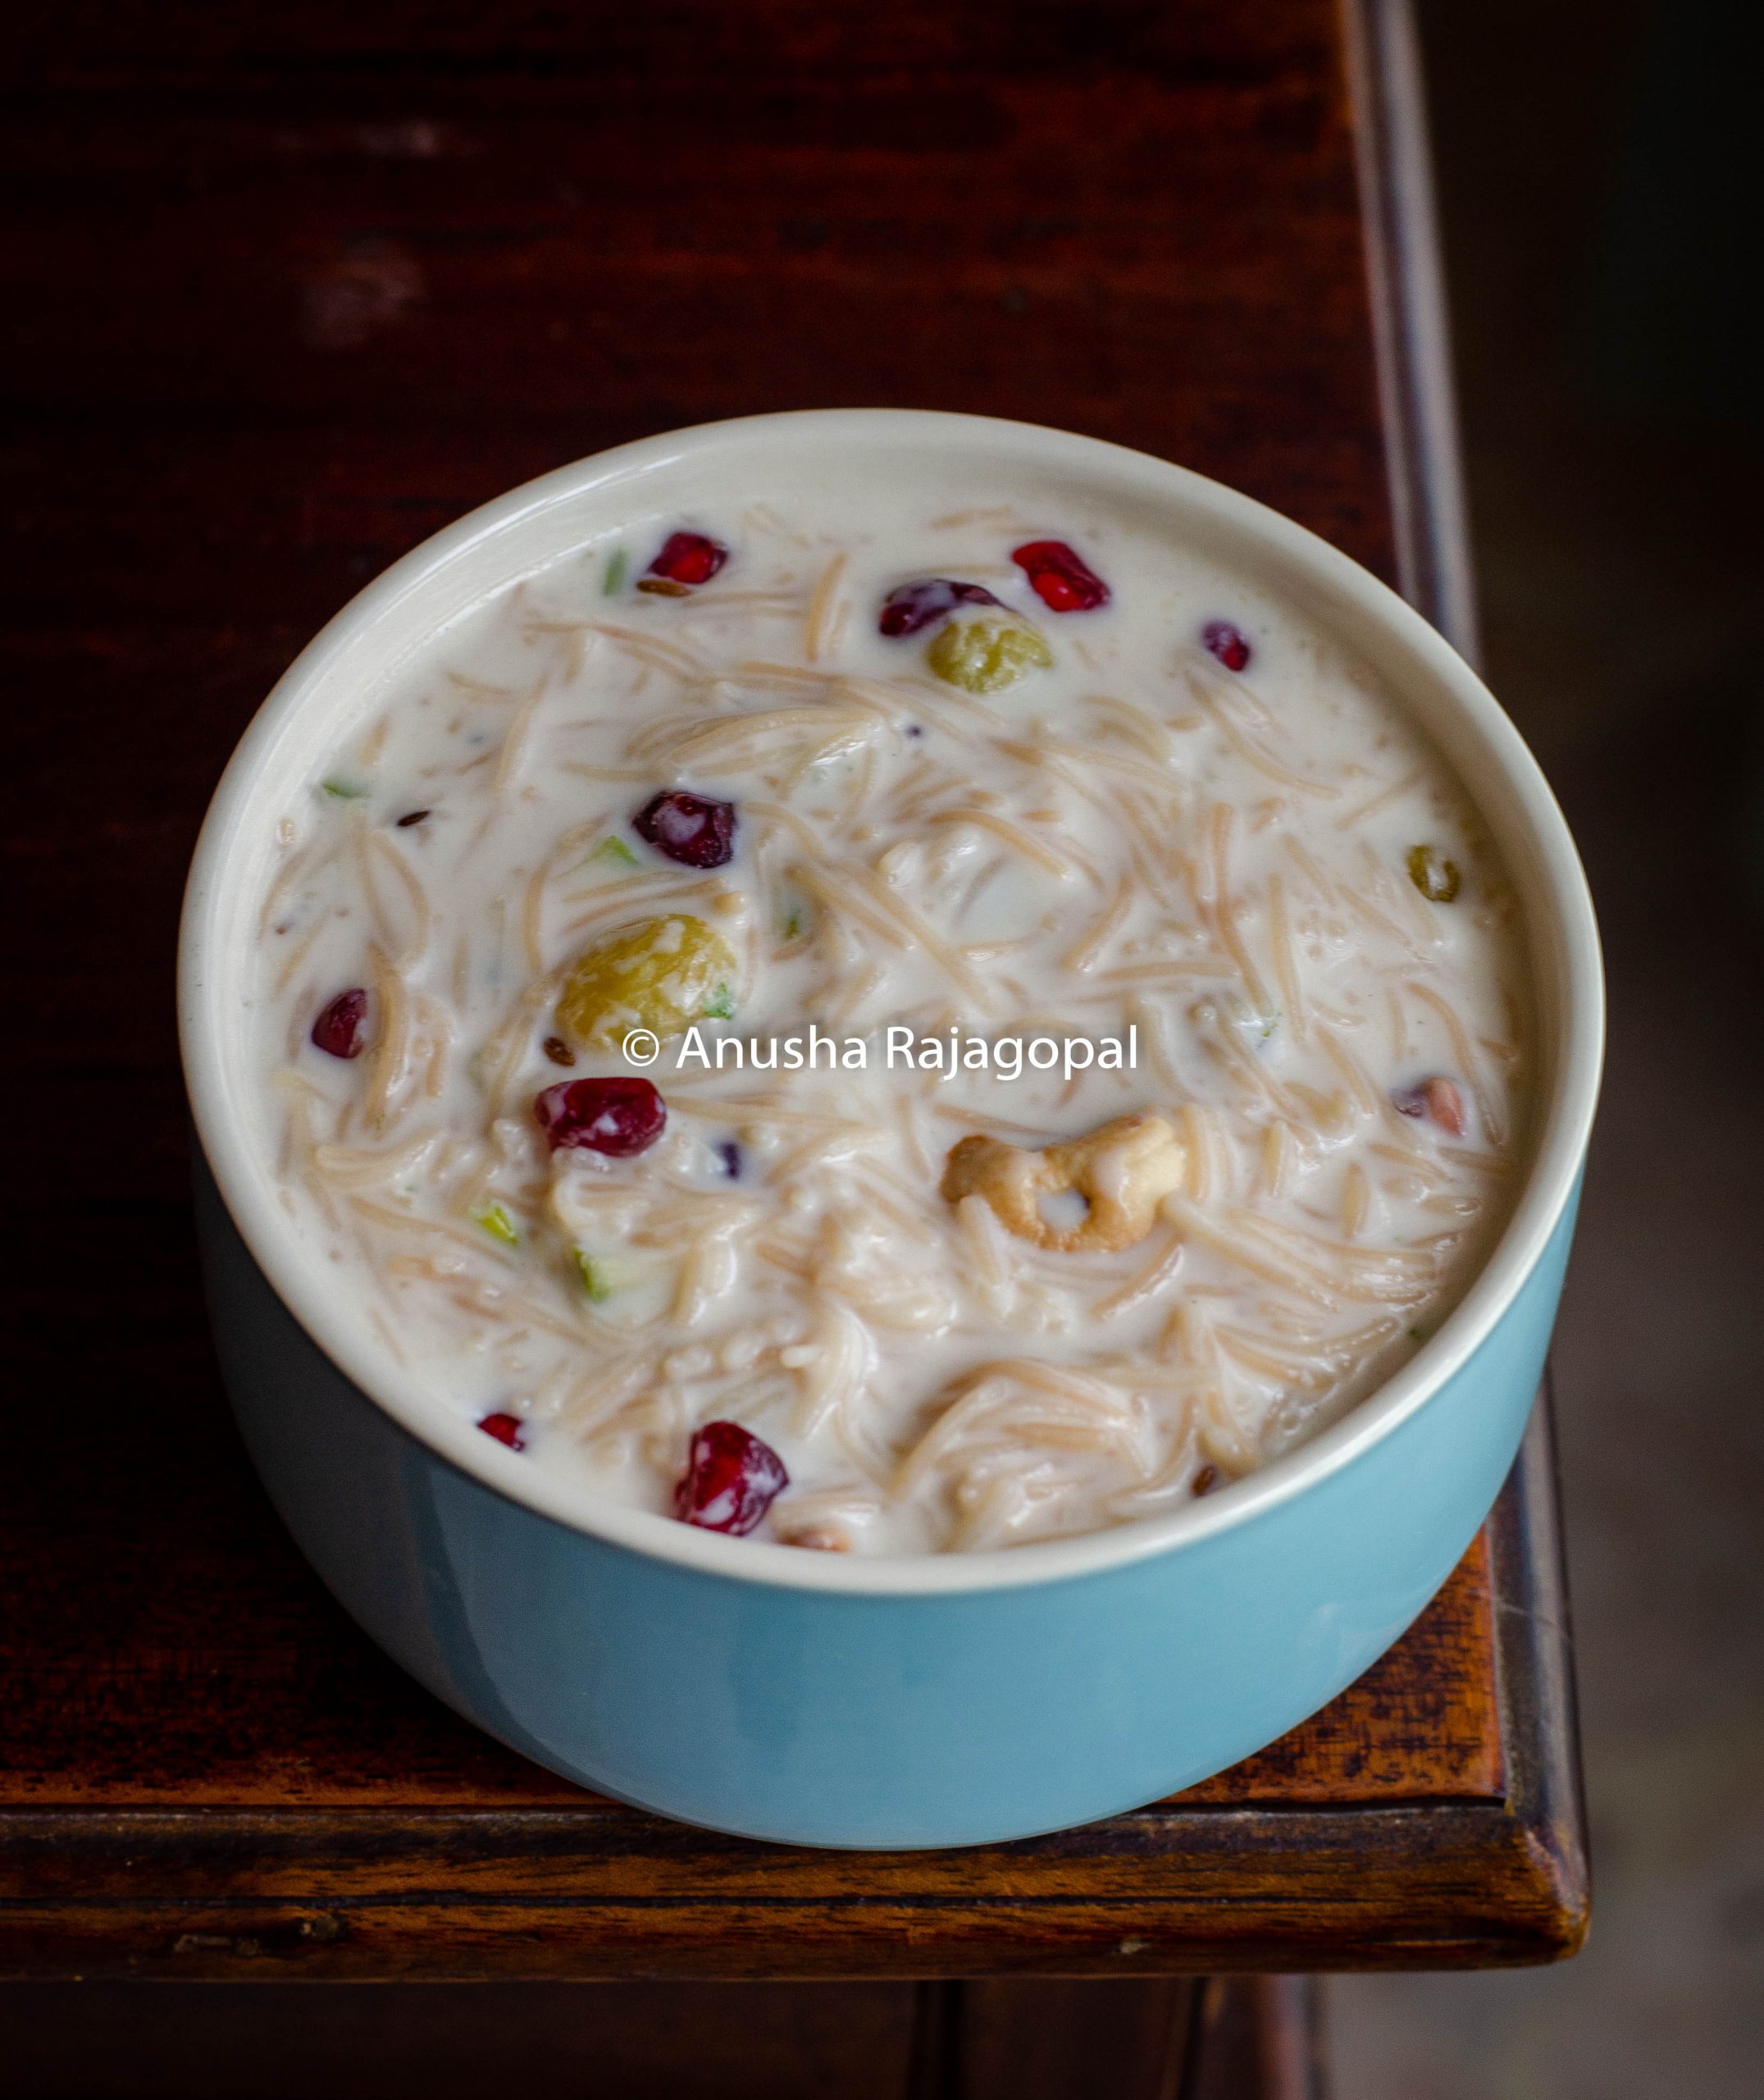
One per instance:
(1235,2037)
(1256,2037)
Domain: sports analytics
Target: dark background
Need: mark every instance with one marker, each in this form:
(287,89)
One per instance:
(1599,194)
(1598,172)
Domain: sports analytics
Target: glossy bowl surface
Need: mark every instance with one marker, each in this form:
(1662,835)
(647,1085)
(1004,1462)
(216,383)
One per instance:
(844,1700)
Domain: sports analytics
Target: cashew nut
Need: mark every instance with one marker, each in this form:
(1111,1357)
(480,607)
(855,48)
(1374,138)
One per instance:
(1122,1170)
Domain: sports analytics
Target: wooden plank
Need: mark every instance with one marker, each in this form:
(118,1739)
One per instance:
(321,1898)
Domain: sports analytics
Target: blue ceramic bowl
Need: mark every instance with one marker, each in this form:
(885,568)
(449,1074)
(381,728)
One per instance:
(821,1699)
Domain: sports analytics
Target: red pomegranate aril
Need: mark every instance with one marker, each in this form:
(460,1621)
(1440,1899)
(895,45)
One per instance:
(732,1479)
(691,829)
(505,1428)
(1060,576)
(1222,640)
(338,1031)
(913,607)
(1437,1100)
(617,1116)
(688,559)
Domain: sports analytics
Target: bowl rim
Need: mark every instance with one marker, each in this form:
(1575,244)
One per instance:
(1564,1115)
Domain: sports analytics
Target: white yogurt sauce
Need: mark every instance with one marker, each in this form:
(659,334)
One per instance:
(1209,868)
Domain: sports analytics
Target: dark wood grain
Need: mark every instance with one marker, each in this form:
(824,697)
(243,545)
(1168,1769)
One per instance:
(1249,2037)
(292,288)
(303,1712)
(547,2041)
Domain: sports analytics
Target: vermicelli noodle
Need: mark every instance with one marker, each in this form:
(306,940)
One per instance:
(1099,833)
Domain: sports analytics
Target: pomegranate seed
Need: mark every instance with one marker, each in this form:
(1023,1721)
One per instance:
(616,1116)
(505,1428)
(686,560)
(914,607)
(1439,1100)
(732,1479)
(1060,576)
(1227,644)
(337,1030)
(690,829)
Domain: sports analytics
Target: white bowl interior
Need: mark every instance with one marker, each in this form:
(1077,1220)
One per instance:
(334,683)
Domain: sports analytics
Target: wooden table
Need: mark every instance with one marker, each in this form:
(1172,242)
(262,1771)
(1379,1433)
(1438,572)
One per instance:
(293,288)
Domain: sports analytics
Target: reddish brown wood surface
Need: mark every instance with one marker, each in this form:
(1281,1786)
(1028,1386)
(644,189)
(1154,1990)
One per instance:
(307,1712)
(290,290)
